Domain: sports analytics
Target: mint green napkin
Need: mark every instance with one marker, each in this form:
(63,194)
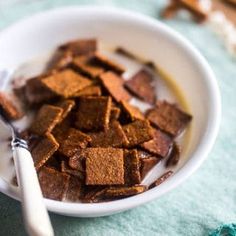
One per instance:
(204,201)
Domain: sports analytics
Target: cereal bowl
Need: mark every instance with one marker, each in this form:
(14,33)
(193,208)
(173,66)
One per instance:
(147,38)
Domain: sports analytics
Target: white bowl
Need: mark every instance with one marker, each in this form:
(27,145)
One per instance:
(144,36)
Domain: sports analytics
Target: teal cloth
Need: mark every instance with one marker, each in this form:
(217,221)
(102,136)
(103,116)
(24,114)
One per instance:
(197,207)
(229,230)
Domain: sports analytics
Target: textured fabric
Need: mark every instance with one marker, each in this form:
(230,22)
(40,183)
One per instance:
(229,230)
(197,207)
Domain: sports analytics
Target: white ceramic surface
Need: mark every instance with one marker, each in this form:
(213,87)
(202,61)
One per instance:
(149,39)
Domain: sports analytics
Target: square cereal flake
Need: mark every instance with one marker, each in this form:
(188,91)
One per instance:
(80,46)
(66,83)
(74,141)
(85,65)
(141,86)
(8,108)
(43,150)
(53,183)
(104,166)
(114,85)
(46,119)
(169,118)
(132,112)
(132,166)
(93,113)
(160,144)
(114,136)
(138,132)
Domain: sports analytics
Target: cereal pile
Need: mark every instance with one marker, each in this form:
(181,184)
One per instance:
(88,142)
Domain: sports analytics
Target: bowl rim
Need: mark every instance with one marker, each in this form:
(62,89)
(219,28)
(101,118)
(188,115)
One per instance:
(203,149)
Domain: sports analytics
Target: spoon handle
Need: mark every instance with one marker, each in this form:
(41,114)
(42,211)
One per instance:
(36,217)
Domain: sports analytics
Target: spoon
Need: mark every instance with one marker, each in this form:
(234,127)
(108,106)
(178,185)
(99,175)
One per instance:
(36,218)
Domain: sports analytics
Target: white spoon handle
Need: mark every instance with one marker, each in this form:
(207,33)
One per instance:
(36,217)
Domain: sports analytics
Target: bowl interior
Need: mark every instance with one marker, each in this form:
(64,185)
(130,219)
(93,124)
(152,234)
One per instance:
(146,38)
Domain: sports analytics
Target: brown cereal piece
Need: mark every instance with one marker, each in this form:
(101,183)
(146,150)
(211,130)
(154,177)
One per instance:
(131,166)
(141,86)
(93,113)
(196,10)
(104,166)
(170,10)
(65,168)
(161,179)
(66,83)
(147,164)
(115,113)
(169,118)
(46,119)
(114,85)
(138,132)
(160,144)
(43,150)
(120,192)
(174,157)
(86,66)
(35,92)
(54,162)
(93,90)
(107,63)
(63,60)
(77,161)
(53,183)
(132,112)
(66,106)
(8,108)
(60,131)
(126,53)
(75,140)
(92,194)
(151,65)
(114,136)
(80,47)
(75,189)
(60,60)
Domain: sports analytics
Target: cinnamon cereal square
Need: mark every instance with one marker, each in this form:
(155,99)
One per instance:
(66,83)
(80,47)
(43,150)
(85,65)
(107,63)
(93,90)
(53,183)
(147,164)
(159,145)
(104,166)
(114,85)
(138,132)
(114,136)
(169,118)
(132,166)
(66,106)
(133,113)
(141,86)
(46,119)
(93,113)
(123,191)
(8,108)
(74,141)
